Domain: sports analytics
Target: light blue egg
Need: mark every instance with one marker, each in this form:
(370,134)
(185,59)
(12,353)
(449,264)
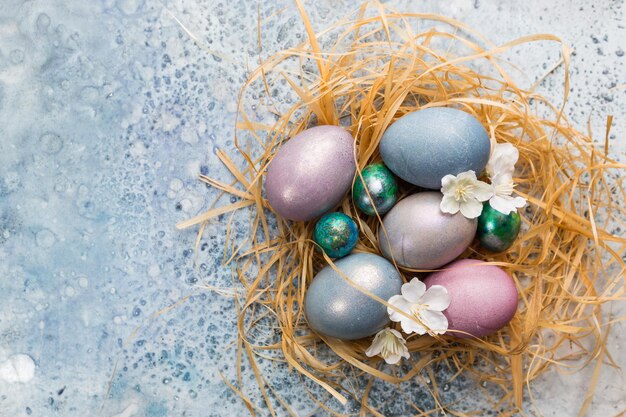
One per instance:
(424,146)
(334,308)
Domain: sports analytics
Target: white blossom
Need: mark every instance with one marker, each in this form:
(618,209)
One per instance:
(500,169)
(502,160)
(502,199)
(464,193)
(389,345)
(424,308)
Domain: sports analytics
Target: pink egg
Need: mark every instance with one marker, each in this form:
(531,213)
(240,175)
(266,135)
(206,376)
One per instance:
(483,297)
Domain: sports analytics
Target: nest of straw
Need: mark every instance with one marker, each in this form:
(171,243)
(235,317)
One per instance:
(363,73)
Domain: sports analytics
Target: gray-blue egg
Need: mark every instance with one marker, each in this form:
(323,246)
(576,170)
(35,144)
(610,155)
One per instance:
(424,146)
(335,308)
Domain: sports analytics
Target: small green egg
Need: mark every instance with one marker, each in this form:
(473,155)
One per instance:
(382,187)
(496,231)
(336,233)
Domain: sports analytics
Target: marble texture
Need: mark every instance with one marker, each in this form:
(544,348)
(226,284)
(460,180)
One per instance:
(109,110)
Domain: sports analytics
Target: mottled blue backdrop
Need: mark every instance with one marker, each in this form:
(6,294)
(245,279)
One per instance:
(108,113)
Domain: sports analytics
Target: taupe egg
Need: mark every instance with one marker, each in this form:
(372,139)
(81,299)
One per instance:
(420,236)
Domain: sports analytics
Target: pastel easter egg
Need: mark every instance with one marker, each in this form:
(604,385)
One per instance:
(483,298)
(335,308)
(424,146)
(382,190)
(336,233)
(497,231)
(311,173)
(421,236)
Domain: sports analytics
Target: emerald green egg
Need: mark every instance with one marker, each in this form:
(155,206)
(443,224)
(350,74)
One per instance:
(382,187)
(336,234)
(496,231)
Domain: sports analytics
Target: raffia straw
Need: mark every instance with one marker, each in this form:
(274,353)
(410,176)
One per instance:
(366,71)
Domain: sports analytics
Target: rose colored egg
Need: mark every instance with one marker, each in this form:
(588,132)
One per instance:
(311,173)
(483,298)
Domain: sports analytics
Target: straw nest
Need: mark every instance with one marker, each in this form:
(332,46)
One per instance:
(363,73)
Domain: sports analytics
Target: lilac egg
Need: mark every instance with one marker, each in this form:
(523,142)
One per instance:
(311,173)
(483,298)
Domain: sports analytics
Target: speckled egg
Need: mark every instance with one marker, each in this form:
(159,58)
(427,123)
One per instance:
(496,231)
(311,173)
(483,298)
(421,236)
(382,187)
(336,233)
(335,308)
(423,146)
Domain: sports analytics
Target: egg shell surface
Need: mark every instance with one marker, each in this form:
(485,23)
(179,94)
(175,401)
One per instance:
(483,298)
(423,146)
(311,173)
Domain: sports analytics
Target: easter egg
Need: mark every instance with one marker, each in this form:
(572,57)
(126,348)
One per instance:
(335,308)
(424,146)
(382,187)
(421,236)
(336,233)
(311,173)
(483,298)
(496,231)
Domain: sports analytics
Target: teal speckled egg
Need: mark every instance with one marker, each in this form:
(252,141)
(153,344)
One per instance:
(496,231)
(336,234)
(382,187)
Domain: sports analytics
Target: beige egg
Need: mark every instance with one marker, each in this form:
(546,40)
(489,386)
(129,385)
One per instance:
(420,236)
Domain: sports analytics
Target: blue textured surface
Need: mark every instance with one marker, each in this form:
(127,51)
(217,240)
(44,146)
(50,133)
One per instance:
(108,112)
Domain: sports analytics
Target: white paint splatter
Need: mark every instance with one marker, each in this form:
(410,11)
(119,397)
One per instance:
(18,368)
(129,411)
(83,282)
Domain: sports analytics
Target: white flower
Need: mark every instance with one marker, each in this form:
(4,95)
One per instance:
(423,308)
(465,193)
(389,345)
(500,170)
(502,199)
(502,160)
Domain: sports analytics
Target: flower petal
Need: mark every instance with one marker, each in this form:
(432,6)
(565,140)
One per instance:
(436,298)
(396,333)
(435,320)
(519,202)
(502,183)
(393,359)
(412,326)
(502,160)
(448,183)
(467,175)
(401,304)
(471,208)
(482,191)
(506,204)
(414,290)
(449,205)
(377,345)
(500,203)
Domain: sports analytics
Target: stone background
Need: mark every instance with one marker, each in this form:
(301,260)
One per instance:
(108,112)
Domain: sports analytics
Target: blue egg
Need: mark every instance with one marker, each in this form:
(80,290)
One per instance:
(424,146)
(335,308)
